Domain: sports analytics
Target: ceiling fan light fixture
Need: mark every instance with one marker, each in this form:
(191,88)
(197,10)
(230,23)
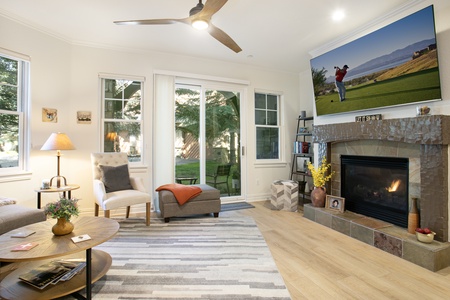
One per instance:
(200,24)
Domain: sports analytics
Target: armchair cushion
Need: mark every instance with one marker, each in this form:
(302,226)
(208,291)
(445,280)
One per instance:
(115,178)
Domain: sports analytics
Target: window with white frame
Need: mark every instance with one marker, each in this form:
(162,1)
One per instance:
(14,99)
(267,121)
(122,117)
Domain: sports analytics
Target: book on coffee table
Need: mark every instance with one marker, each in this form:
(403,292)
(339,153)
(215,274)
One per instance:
(22,233)
(24,247)
(53,272)
(42,276)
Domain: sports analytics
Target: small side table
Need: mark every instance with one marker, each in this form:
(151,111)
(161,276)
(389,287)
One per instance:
(192,180)
(68,188)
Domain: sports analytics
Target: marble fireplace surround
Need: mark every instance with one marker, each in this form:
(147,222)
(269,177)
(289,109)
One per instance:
(423,139)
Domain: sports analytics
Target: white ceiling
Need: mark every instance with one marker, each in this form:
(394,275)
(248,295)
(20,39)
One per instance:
(276,34)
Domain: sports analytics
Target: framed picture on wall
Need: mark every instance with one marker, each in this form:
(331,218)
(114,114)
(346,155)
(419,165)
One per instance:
(336,203)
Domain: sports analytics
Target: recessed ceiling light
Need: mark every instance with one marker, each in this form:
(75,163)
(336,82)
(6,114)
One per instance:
(338,15)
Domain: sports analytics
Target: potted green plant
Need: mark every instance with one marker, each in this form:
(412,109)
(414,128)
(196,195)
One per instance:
(62,210)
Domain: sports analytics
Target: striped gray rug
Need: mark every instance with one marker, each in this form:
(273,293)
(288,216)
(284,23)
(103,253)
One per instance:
(190,258)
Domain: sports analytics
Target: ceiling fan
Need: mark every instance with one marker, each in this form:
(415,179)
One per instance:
(199,18)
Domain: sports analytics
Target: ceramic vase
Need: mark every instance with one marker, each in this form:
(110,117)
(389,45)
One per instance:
(318,196)
(62,227)
(413,216)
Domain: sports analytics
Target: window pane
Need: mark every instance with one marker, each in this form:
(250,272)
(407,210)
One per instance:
(8,71)
(272,118)
(260,101)
(260,117)
(9,141)
(187,130)
(8,97)
(123,137)
(122,99)
(272,102)
(267,143)
(113,109)
(132,109)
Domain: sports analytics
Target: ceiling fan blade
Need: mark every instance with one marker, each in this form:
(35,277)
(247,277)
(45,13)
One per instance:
(224,38)
(148,22)
(210,8)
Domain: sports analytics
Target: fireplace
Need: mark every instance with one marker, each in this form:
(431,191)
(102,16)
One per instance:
(423,140)
(376,186)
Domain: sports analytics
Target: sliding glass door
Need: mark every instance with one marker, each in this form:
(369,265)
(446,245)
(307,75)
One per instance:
(208,137)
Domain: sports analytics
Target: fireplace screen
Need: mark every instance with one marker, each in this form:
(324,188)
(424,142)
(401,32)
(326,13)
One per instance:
(376,187)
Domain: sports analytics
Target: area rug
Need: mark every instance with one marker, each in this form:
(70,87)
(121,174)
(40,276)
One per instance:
(190,258)
(235,206)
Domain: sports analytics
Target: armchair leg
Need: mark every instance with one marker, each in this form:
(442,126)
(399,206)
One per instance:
(147,213)
(107,213)
(96,210)
(128,212)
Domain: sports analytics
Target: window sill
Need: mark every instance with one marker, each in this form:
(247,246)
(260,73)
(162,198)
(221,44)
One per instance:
(15,176)
(270,164)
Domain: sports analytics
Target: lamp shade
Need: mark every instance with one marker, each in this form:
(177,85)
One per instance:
(58,141)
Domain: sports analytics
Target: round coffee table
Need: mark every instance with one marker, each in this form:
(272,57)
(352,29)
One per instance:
(51,246)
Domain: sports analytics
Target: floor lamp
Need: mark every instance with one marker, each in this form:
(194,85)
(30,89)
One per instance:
(58,141)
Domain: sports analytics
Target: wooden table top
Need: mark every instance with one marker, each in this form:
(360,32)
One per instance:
(66,188)
(50,246)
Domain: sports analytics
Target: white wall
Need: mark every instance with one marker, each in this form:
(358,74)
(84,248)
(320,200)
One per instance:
(65,77)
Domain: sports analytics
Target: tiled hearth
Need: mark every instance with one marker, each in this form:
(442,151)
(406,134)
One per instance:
(382,235)
(424,140)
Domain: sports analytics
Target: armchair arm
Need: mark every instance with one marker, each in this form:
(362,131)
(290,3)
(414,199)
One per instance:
(99,191)
(138,184)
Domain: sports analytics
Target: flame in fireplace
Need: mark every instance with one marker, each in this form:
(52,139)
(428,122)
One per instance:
(394,186)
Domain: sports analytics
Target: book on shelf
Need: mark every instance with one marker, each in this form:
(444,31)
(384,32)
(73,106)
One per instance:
(301,147)
(53,272)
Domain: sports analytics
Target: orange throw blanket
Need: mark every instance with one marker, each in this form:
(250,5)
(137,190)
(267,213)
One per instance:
(181,192)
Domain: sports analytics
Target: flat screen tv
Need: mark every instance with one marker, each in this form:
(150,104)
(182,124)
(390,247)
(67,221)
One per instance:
(392,66)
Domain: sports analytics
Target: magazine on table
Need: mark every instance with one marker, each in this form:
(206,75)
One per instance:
(53,272)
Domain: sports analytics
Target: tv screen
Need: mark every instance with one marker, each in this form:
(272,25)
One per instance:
(394,65)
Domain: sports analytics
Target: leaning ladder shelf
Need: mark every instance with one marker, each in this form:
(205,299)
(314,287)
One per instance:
(302,153)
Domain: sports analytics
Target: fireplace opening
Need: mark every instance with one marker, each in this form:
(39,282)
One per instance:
(376,187)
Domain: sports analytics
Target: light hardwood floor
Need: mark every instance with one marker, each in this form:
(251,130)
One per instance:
(319,263)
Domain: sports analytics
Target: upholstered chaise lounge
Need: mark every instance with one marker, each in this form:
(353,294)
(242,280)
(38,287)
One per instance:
(208,201)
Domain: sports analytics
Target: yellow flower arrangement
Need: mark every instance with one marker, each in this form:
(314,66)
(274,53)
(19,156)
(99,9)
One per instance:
(319,174)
